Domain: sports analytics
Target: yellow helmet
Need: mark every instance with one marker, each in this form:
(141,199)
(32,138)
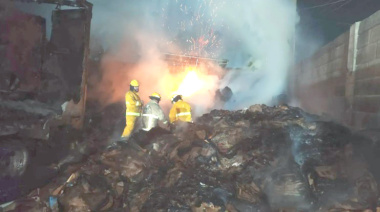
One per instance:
(155,94)
(134,83)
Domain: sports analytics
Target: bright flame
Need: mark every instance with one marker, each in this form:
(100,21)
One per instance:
(190,85)
(195,84)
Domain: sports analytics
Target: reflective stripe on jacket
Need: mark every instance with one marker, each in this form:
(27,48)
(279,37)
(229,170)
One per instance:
(132,114)
(183,114)
(152,113)
(181,111)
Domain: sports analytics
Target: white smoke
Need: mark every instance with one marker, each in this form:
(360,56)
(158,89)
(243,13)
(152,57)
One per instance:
(264,33)
(256,36)
(243,31)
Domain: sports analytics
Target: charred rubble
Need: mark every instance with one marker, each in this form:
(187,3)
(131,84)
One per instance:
(42,94)
(259,159)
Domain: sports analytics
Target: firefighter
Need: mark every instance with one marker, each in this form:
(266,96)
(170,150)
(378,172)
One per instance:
(133,108)
(181,110)
(153,113)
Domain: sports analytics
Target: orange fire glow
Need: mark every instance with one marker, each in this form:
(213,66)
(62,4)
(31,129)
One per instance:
(195,84)
(190,82)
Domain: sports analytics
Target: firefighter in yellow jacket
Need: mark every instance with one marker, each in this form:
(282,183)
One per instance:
(181,110)
(133,107)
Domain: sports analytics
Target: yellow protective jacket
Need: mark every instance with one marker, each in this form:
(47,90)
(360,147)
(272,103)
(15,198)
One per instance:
(133,104)
(181,111)
(133,110)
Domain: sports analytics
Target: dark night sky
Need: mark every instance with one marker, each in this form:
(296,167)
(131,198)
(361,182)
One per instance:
(321,21)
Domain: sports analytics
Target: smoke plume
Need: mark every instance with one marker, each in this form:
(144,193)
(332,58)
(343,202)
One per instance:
(263,50)
(254,35)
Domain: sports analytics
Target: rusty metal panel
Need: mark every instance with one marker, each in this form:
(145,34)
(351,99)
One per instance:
(68,44)
(22,41)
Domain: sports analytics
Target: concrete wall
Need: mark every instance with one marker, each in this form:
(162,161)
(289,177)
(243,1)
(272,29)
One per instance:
(320,81)
(366,98)
(342,80)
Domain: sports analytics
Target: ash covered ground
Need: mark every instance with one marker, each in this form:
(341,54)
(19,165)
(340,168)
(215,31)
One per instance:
(259,159)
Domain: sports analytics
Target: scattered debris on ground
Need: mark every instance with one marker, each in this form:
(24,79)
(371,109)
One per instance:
(258,159)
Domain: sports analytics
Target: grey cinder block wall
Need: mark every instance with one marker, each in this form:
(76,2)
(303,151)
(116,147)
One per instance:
(342,79)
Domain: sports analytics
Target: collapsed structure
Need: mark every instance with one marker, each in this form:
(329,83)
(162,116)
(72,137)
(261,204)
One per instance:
(43,85)
(43,81)
(38,72)
(258,159)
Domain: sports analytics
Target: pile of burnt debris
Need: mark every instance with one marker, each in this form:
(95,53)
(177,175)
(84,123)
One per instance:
(258,159)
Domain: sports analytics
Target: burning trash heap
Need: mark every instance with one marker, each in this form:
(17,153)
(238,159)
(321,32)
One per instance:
(259,159)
